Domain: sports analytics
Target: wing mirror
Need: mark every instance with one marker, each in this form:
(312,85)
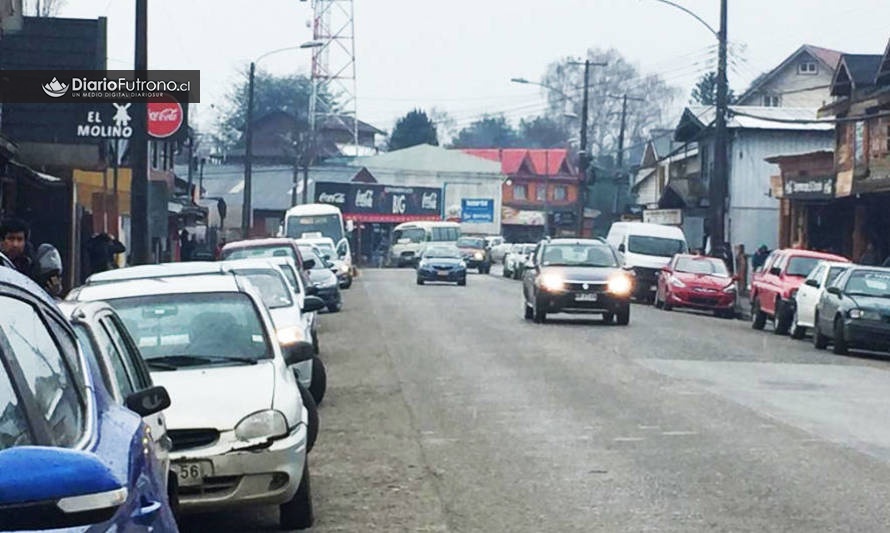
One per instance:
(308,264)
(148,401)
(621,248)
(312,303)
(56,488)
(298,352)
(835,291)
(775,271)
(812,283)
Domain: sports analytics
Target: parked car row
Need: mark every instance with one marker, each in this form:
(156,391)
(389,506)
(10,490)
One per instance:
(164,388)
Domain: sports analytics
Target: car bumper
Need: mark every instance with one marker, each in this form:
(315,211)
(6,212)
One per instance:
(269,476)
(645,281)
(330,295)
(867,334)
(701,300)
(569,302)
(436,275)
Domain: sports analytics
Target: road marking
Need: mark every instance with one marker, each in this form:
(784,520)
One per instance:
(678,433)
(628,439)
(649,427)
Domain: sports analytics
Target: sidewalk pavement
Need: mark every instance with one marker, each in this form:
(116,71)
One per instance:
(743,307)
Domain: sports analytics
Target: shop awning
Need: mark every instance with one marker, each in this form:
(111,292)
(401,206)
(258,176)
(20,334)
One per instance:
(22,171)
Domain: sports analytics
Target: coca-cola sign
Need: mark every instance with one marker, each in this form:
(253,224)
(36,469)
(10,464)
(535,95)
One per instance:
(165,117)
(332,198)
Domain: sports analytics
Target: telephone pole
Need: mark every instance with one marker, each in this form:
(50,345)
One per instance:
(246,208)
(720,177)
(583,154)
(140,245)
(620,156)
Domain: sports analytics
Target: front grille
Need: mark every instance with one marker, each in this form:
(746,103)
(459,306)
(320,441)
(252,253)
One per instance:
(646,273)
(211,486)
(185,439)
(702,300)
(591,286)
(443,268)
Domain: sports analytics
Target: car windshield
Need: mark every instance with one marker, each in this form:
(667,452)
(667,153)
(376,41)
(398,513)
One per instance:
(442,252)
(409,235)
(253,252)
(470,242)
(590,255)
(327,249)
(657,246)
(272,287)
(701,265)
(875,283)
(200,325)
(801,266)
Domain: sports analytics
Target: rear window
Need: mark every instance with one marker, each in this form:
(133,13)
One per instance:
(801,266)
(657,246)
(272,287)
(254,252)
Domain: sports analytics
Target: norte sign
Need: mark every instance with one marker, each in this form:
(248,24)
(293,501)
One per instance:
(477,210)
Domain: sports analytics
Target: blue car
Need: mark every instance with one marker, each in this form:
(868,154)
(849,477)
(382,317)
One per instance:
(70,457)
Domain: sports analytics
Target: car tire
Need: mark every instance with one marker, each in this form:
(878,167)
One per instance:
(623,315)
(758,317)
(319,384)
(797,332)
(462,282)
(312,409)
(297,513)
(820,341)
(539,315)
(782,321)
(506,273)
(419,281)
(335,308)
(839,343)
(348,283)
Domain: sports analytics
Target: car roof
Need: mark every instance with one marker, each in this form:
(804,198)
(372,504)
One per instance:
(648,228)
(598,242)
(259,243)
(854,268)
(814,254)
(153,271)
(156,286)
(315,240)
(74,310)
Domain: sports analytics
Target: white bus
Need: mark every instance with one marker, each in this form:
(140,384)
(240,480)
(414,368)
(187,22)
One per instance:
(409,239)
(318,220)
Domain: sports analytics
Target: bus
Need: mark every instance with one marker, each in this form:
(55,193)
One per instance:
(409,239)
(318,220)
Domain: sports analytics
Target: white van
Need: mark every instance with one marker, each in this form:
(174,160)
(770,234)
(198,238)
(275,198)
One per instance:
(646,248)
(410,238)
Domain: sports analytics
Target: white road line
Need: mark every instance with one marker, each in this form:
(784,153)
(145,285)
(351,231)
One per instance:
(678,433)
(628,439)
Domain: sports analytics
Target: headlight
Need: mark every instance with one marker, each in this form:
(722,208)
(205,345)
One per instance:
(263,424)
(863,314)
(552,282)
(620,285)
(290,335)
(478,256)
(730,288)
(676,282)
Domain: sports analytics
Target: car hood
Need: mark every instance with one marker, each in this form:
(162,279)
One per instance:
(645,261)
(871,303)
(442,261)
(469,250)
(703,280)
(322,276)
(216,397)
(582,273)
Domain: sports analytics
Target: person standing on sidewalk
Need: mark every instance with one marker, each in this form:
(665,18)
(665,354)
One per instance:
(14,244)
(741,269)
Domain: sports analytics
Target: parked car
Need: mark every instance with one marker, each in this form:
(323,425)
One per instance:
(697,282)
(341,265)
(327,287)
(71,456)
(809,294)
(515,260)
(499,251)
(645,249)
(441,263)
(854,311)
(475,253)
(774,287)
(265,248)
(289,268)
(578,276)
(237,414)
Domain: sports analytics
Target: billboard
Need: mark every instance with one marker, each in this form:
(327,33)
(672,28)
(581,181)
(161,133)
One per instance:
(477,210)
(372,202)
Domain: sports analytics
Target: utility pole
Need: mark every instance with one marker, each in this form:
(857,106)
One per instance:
(720,177)
(139,235)
(620,156)
(248,158)
(583,154)
(191,174)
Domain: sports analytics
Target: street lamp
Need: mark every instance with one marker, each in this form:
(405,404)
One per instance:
(717,187)
(248,134)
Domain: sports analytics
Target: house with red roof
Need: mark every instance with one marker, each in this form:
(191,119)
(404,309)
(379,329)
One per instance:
(540,195)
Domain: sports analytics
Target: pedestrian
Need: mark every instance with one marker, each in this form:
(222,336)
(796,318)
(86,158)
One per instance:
(741,268)
(15,245)
(759,257)
(48,270)
(101,249)
(188,248)
(870,256)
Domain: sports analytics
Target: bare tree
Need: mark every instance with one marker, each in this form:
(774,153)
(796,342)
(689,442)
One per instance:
(607,85)
(44,8)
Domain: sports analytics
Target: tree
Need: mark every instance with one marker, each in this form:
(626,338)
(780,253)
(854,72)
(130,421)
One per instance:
(413,129)
(542,132)
(705,90)
(607,85)
(44,8)
(487,132)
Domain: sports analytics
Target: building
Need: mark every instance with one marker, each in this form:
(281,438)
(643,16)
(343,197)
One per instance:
(540,196)
(803,79)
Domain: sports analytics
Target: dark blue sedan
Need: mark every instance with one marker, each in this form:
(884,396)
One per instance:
(70,457)
(441,263)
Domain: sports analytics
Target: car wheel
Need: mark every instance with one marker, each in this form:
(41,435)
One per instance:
(506,273)
(797,332)
(334,308)
(419,281)
(820,341)
(839,342)
(348,283)
(758,317)
(623,315)
(319,383)
(782,320)
(312,409)
(462,282)
(297,513)
(539,315)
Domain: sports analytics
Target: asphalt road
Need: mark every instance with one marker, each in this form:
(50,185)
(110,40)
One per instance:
(447,411)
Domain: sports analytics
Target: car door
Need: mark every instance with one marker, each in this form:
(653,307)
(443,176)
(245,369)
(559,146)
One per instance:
(528,277)
(808,296)
(772,283)
(828,306)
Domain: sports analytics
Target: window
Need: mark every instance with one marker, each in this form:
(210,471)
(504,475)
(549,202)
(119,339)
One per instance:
(701,265)
(128,356)
(808,67)
(14,429)
(657,246)
(520,192)
(46,373)
(413,235)
(801,266)
(833,274)
(445,234)
(772,100)
(122,379)
(817,274)
(272,288)
(560,193)
(541,192)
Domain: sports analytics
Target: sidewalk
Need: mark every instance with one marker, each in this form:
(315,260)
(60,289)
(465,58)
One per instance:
(743,308)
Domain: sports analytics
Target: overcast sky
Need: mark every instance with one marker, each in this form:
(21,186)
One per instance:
(459,55)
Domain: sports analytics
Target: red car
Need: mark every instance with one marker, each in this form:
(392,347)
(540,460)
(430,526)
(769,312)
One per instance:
(774,286)
(697,282)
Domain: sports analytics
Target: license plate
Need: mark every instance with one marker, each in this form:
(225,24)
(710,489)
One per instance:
(591,297)
(443,274)
(192,473)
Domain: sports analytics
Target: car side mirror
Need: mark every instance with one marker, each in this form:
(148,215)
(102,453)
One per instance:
(835,291)
(775,271)
(812,283)
(308,264)
(56,488)
(311,290)
(148,401)
(621,248)
(298,352)
(327,257)
(312,303)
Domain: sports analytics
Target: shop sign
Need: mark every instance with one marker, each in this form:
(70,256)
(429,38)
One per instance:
(670,217)
(809,187)
(477,210)
(373,199)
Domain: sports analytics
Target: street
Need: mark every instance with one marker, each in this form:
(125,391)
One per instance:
(446,411)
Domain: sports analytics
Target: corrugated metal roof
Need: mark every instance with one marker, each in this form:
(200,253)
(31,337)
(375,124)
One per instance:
(764,118)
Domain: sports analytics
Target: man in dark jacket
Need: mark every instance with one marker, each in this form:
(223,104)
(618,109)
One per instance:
(101,249)
(14,244)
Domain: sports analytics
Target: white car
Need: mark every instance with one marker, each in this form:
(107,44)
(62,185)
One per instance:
(238,425)
(515,259)
(327,250)
(809,294)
